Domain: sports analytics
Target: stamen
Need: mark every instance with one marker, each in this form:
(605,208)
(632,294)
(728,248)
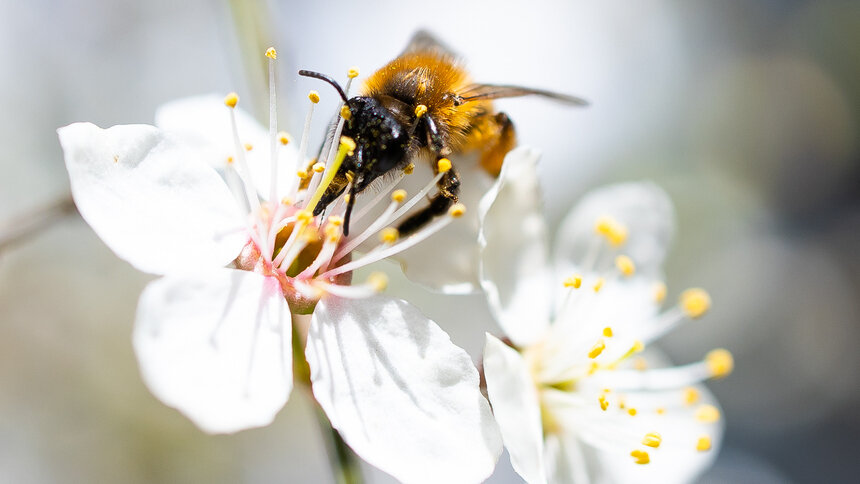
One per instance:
(345,113)
(707,414)
(614,231)
(346,145)
(631,411)
(703,444)
(332,233)
(273,125)
(604,404)
(720,363)
(370,230)
(607,331)
(231,100)
(659,292)
(420,110)
(695,302)
(625,265)
(640,456)
(574,281)
(352,73)
(691,396)
(409,169)
(652,439)
(376,283)
(389,235)
(379,196)
(595,350)
(598,285)
(443,165)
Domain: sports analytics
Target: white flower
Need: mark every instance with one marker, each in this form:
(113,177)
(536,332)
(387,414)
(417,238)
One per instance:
(215,342)
(576,398)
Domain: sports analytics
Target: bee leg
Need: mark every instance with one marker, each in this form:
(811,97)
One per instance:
(503,140)
(449,192)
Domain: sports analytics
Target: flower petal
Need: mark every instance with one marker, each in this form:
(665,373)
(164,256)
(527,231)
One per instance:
(150,199)
(401,394)
(516,408)
(217,347)
(514,250)
(645,210)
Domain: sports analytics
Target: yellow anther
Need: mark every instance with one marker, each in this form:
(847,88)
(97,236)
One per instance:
(286,201)
(641,457)
(595,350)
(659,292)
(707,414)
(349,178)
(652,439)
(335,220)
(695,302)
(614,231)
(304,216)
(352,73)
(604,404)
(420,110)
(347,142)
(457,210)
(319,167)
(607,331)
(631,411)
(598,285)
(248,146)
(271,53)
(332,232)
(398,195)
(389,235)
(283,138)
(231,100)
(229,160)
(606,390)
(345,113)
(720,362)
(703,444)
(637,347)
(691,395)
(573,281)
(640,364)
(593,367)
(444,164)
(346,198)
(625,265)
(314,97)
(660,410)
(409,168)
(303,174)
(378,281)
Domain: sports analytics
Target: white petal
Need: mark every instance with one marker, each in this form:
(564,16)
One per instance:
(566,460)
(403,396)
(514,250)
(216,346)
(205,122)
(515,406)
(644,208)
(150,198)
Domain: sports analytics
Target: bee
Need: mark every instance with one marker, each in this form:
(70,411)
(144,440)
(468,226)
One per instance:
(422,102)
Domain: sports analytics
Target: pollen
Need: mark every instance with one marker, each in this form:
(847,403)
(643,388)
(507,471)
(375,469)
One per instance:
(640,456)
(595,350)
(314,97)
(420,110)
(398,195)
(335,220)
(443,165)
(332,232)
(422,87)
(304,216)
(271,53)
(303,174)
(604,404)
(598,285)
(319,167)
(707,414)
(389,235)
(691,395)
(345,113)
(659,292)
(457,210)
(720,362)
(625,265)
(378,281)
(409,168)
(703,444)
(283,138)
(631,411)
(613,230)
(652,439)
(573,281)
(352,73)
(607,331)
(230,100)
(592,369)
(695,302)
(347,142)
(248,146)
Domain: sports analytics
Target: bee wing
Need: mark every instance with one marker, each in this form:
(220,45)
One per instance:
(485,92)
(424,41)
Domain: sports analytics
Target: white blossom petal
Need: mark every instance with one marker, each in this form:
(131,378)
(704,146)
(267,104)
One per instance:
(645,210)
(516,408)
(217,347)
(514,250)
(401,394)
(151,199)
(566,461)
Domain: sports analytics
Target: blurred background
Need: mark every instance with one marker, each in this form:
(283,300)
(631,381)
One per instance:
(747,113)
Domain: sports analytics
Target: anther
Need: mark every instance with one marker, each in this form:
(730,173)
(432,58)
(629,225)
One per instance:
(409,168)
(598,285)
(345,113)
(303,174)
(691,395)
(347,142)
(389,235)
(335,220)
(319,167)
(283,138)
(625,265)
(639,364)
(573,281)
(229,160)
(443,165)
(720,362)
(660,410)
(314,97)
(593,367)
(248,146)
(595,350)
(652,439)
(398,195)
(332,232)
(457,210)
(703,444)
(695,302)
(378,281)
(271,53)
(707,414)
(352,73)
(607,331)
(420,110)
(231,100)
(604,404)
(631,411)
(659,292)
(641,457)
(614,231)
(304,216)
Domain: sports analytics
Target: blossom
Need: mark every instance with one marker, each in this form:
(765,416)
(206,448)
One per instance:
(577,395)
(221,210)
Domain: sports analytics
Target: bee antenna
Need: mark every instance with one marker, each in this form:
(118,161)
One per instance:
(328,79)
